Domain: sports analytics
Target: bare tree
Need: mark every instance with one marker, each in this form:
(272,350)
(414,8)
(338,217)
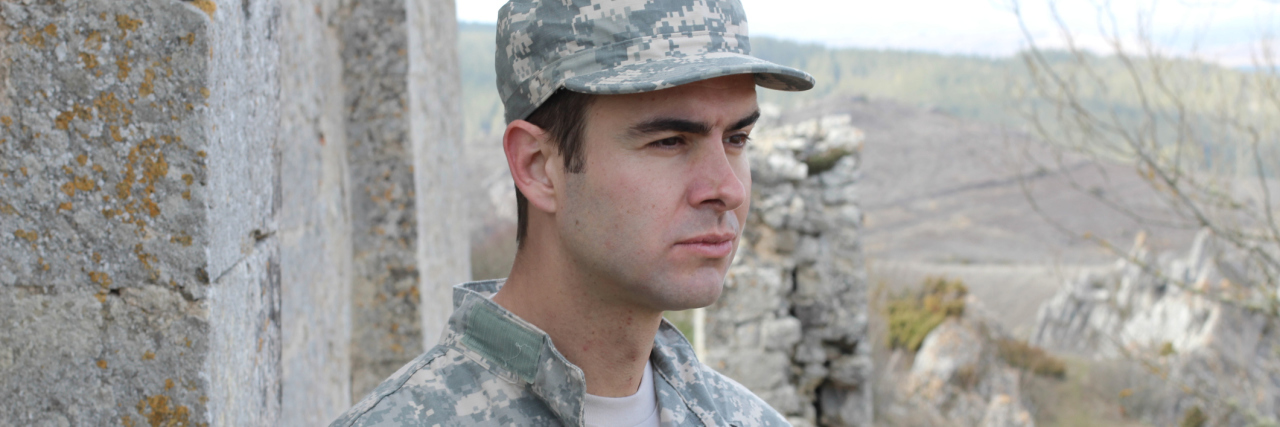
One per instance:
(1205,140)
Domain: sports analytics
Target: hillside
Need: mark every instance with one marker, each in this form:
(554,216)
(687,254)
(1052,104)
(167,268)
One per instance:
(962,86)
(984,89)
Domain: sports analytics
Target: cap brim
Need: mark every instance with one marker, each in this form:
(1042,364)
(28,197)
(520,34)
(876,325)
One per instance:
(675,71)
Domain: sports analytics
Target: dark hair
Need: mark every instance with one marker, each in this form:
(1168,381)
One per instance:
(564,118)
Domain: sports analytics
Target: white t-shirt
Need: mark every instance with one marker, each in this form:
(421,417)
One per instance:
(637,410)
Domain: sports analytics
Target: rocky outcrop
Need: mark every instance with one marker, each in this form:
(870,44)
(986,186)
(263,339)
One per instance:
(791,324)
(1185,319)
(959,377)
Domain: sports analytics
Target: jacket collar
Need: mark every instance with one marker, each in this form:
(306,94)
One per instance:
(513,349)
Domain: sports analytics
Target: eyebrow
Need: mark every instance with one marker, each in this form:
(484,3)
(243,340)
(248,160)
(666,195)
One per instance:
(671,124)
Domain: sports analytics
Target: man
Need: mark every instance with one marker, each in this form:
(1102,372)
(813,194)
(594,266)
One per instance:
(628,125)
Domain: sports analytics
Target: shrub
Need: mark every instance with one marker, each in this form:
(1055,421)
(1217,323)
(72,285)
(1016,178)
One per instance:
(1194,417)
(914,314)
(1032,359)
(825,161)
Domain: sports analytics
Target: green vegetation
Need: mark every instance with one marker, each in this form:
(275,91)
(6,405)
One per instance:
(683,320)
(481,108)
(824,161)
(1031,359)
(963,86)
(913,315)
(1194,417)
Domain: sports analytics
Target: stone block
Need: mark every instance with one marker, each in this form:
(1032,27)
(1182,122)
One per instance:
(781,334)
(54,341)
(784,399)
(845,406)
(404,151)
(314,219)
(851,371)
(435,109)
(757,369)
(137,191)
(386,323)
(189,191)
(751,294)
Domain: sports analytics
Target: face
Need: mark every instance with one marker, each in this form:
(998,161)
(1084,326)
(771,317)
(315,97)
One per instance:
(654,218)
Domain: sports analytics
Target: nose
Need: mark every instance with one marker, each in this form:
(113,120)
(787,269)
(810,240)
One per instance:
(717,184)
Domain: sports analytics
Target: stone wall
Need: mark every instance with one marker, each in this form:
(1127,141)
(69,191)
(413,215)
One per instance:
(791,324)
(192,193)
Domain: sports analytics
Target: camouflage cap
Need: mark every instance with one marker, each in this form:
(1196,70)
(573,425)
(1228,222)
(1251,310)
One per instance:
(624,46)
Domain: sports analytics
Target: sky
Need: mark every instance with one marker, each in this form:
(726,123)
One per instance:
(1224,31)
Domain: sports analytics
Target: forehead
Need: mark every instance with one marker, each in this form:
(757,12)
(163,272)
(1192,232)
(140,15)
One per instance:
(716,101)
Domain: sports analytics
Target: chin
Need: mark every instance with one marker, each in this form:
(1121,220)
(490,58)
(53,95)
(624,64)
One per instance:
(699,289)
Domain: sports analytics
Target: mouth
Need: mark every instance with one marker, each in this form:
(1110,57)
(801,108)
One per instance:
(709,245)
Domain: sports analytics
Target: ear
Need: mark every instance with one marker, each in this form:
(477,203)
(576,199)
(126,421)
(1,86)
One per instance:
(531,159)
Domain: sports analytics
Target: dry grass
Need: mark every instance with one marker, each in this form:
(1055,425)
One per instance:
(1090,394)
(1031,359)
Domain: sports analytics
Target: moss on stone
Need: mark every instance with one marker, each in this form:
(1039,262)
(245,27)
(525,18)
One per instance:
(1194,417)
(825,161)
(1167,349)
(913,315)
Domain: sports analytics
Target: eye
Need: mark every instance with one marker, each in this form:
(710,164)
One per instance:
(739,140)
(671,142)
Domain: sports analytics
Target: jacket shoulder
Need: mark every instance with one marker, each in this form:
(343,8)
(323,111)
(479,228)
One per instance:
(382,406)
(445,387)
(739,405)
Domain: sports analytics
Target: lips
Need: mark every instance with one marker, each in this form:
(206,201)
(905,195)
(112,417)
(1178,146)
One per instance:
(709,245)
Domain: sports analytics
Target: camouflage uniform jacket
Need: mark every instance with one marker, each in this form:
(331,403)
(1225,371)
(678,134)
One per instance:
(493,368)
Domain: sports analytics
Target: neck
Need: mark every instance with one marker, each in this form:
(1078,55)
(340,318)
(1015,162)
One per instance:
(608,340)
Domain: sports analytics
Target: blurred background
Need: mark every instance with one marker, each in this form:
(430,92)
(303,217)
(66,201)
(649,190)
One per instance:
(1046,165)
(986,213)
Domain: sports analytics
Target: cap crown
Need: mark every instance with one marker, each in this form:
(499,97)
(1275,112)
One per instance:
(543,43)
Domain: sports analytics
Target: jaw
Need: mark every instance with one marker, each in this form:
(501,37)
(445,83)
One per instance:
(695,284)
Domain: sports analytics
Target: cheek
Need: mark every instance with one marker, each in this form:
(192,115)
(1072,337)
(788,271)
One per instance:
(743,170)
(621,203)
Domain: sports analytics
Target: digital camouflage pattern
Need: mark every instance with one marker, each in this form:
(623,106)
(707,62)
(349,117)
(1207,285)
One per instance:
(493,368)
(624,46)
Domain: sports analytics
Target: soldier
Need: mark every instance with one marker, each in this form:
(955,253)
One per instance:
(627,126)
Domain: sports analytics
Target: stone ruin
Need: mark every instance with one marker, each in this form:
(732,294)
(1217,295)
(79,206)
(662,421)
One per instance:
(791,324)
(218,212)
(1179,319)
(249,213)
